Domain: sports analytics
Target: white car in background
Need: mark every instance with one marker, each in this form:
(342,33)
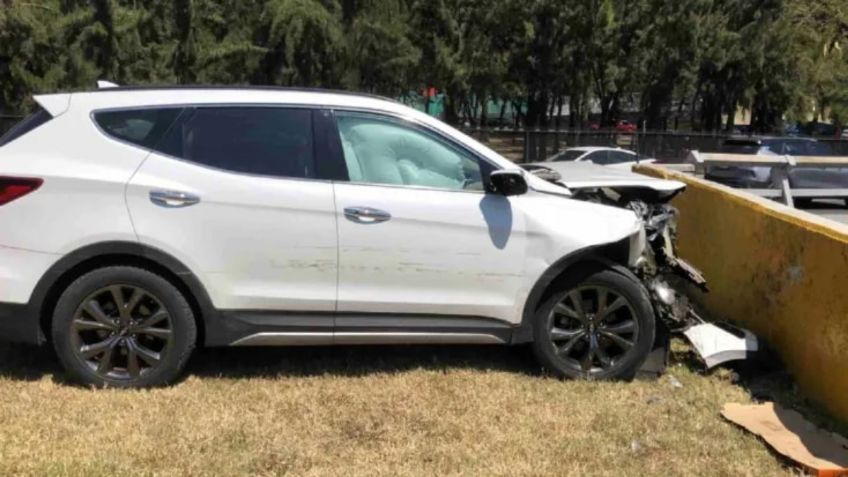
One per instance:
(603,156)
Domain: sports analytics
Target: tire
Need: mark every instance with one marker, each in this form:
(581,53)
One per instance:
(147,344)
(583,341)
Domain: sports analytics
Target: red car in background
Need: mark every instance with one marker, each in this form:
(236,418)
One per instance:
(622,125)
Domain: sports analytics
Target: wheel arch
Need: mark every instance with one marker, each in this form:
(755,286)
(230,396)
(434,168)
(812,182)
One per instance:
(75,264)
(613,255)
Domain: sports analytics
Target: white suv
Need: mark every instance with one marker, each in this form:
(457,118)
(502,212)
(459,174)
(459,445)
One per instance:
(137,224)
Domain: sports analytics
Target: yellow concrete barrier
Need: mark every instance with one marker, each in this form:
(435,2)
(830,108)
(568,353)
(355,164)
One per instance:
(780,272)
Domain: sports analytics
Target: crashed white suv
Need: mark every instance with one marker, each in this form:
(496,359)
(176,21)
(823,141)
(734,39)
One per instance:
(137,224)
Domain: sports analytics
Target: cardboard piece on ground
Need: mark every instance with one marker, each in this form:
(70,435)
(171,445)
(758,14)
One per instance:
(823,453)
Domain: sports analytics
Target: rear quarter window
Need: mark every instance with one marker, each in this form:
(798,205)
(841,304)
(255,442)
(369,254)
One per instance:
(142,127)
(28,124)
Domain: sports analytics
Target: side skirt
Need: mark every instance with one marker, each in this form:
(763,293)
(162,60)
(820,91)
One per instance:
(311,329)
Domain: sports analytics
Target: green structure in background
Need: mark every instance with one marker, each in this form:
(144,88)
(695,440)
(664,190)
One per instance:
(436,107)
(419,101)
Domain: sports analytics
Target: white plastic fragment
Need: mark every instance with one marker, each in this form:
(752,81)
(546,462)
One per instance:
(719,344)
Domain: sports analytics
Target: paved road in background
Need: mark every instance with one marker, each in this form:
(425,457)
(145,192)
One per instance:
(830,209)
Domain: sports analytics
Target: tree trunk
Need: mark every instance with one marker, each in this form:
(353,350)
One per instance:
(504,104)
(537,106)
(731,117)
(573,111)
(484,110)
(558,123)
(451,115)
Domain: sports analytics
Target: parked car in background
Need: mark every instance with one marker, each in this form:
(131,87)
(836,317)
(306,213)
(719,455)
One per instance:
(759,177)
(603,156)
(621,125)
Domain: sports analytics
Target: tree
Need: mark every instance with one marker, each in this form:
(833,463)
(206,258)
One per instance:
(29,56)
(304,44)
(380,54)
(779,59)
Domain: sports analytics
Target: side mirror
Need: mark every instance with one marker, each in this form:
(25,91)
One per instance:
(507,183)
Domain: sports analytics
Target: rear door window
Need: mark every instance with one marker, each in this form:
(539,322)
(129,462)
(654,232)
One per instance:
(142,127)
(28,124)
(267,141)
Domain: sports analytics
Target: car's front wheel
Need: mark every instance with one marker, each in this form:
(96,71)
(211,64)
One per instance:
(599,324)
(123,327)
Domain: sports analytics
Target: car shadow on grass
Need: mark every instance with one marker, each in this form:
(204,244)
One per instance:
(31,363)
(357,360)
(28,363)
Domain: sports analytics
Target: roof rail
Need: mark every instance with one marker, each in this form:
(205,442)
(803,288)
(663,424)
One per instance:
(110,87)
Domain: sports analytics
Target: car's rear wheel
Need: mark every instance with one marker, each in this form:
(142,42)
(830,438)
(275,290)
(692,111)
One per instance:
(123,327)
(599,324)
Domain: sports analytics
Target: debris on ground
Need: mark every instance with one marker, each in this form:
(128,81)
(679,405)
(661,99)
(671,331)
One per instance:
(718,343)
(635,446)
(822,453)
(675,383)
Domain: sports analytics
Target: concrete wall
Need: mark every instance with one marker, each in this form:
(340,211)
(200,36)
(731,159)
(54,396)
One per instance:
(780,272)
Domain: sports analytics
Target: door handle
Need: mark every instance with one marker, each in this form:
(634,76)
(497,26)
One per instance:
(173,199)
(366,215)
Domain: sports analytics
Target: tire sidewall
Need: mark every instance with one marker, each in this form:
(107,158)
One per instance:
(182,324)
(624,284)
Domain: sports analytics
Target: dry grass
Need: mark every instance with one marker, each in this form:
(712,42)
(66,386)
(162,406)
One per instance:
(371,411)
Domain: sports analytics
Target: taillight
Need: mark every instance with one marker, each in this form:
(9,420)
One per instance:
(12,188)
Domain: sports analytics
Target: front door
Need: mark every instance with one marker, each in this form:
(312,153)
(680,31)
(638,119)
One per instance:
(418,235)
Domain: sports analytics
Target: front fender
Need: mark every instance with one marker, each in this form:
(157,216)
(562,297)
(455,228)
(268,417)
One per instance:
(613,255)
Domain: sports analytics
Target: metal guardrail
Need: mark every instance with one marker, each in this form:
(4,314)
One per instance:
(780,168)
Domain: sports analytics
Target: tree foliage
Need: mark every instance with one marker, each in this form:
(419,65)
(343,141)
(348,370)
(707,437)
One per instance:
(697,61)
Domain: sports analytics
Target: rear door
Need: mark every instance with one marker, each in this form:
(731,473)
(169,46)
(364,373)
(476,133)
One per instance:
(232,192)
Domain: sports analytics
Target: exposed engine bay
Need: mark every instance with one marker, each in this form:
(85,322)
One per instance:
(659,267)
(668,278)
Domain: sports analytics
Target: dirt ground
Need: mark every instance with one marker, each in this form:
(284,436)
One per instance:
(378,411)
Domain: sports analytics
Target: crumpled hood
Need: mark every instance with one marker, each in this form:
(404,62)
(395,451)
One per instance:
(585,175)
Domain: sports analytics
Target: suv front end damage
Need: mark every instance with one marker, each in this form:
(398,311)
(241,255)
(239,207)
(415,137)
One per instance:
(668,278)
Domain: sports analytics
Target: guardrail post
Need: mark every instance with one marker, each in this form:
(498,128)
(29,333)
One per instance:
(780,179)
(696,159)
